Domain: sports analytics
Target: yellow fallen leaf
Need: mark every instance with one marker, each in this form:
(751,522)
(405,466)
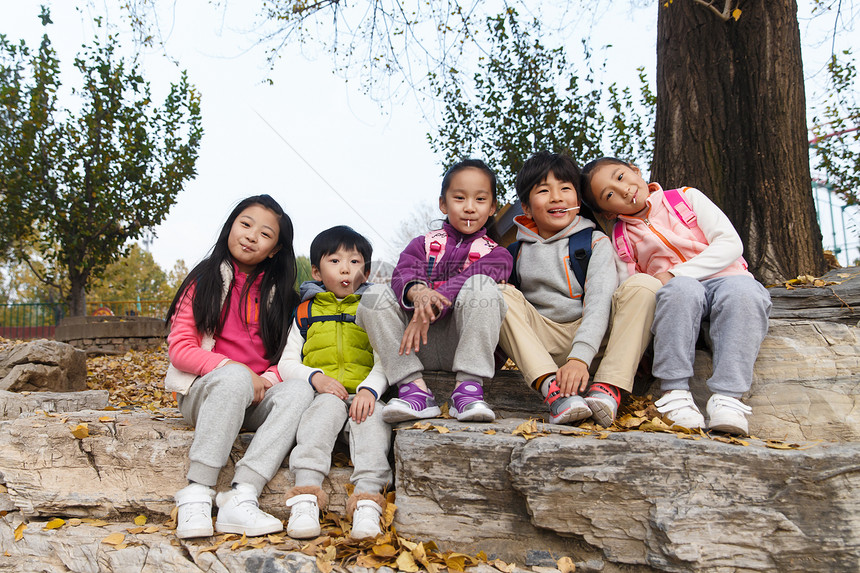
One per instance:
(503,567)
(74,522)
(3,488)
(405,562)
(134,530)
(388,516)
(456,561)
(55,523)
(80,431)
(385,550)
(19,531)
(241,543)
(151,529)
(105,419)
(114,538)
(209,549)
(441,429)
(490,432)
(566,565)
(736,13)
(140,520)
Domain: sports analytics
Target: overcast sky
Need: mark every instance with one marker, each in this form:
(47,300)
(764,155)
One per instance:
(326,152)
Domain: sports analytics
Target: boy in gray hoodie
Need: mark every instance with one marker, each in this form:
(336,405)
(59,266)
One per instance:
(555,327)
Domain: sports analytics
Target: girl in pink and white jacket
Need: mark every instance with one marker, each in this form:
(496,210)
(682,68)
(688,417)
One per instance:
(229,323)
(683,239)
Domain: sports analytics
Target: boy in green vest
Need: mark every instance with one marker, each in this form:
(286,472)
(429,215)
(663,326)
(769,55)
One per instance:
(326,348)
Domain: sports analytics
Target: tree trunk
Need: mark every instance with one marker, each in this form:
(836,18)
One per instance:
(731,120)
(77,294)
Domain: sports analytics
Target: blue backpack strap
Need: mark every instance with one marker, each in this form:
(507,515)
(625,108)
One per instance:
(579,254)
(514,250)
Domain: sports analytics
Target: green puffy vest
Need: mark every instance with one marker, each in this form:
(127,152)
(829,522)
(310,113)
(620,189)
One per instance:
(340,349)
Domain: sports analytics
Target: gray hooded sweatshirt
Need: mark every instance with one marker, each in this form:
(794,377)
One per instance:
(548,283)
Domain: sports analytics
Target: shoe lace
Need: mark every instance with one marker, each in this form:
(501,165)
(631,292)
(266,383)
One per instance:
(195,509)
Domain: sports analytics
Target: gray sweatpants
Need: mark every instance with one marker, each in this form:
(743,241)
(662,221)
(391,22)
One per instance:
(737,308)
(463,341)
(218,405)
(320,427)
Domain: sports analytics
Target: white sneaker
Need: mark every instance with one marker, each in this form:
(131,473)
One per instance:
(304,516)
(727,414)
(194,518)
(679,406)
(365,520)
(239,512)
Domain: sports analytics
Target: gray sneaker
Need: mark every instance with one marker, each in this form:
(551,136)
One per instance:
(564,410)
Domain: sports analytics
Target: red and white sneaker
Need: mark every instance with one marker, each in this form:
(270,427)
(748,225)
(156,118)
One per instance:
(603,401)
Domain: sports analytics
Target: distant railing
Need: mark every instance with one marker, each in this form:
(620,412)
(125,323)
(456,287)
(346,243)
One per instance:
(39,320)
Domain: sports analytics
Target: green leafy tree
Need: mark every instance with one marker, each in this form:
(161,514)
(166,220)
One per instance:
(83,182)
(836,132)
(135,276)
(304,270)
(527,97)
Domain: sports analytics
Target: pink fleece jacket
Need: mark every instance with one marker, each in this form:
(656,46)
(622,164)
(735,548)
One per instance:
(239,339)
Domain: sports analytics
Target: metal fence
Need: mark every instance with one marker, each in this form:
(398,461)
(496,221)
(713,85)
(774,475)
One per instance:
(39,320)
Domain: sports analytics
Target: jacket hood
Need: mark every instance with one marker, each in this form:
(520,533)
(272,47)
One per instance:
(310,289)
(527,231)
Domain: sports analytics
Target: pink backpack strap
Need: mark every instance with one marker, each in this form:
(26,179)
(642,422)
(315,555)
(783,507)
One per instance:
(675,199)
(434,247)
(480,247)
(619,239)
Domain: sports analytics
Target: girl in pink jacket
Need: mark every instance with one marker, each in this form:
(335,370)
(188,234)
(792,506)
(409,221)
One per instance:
(684,240)
(229,323)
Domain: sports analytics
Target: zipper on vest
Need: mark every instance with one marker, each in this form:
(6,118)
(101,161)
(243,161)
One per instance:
(665,240)
(339,338)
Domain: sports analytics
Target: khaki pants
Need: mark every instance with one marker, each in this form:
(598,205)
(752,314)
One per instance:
(540,346)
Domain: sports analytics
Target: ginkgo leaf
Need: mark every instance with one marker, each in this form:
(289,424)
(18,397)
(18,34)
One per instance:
(80,431)
(140,520)
(736,13)
(19,531)
(55,523)
(405,562)
(565,565)
(114,538)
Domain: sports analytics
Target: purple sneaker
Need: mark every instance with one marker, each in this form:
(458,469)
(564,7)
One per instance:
(412,403)
(468,403)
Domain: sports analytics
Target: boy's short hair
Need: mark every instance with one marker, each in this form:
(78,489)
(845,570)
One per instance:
(536,168)
(330,240)
(588,172)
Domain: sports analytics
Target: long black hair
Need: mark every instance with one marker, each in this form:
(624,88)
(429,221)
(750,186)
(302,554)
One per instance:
(278,296)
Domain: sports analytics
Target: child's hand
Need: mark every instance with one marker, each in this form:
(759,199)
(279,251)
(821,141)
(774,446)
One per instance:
(664,277)
(362,405)
(572,378)
(260,387)
(260,383)
(328,385)
(427,302)
(414,335)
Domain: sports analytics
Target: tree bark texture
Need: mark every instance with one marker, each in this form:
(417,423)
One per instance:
(731,120)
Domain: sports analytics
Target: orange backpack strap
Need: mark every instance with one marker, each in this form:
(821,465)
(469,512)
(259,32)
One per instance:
(303,317)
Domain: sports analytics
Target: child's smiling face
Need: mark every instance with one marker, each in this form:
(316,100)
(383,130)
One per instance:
(469,200)
(341,271)
(552,205)
(619,189)
(253,237)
